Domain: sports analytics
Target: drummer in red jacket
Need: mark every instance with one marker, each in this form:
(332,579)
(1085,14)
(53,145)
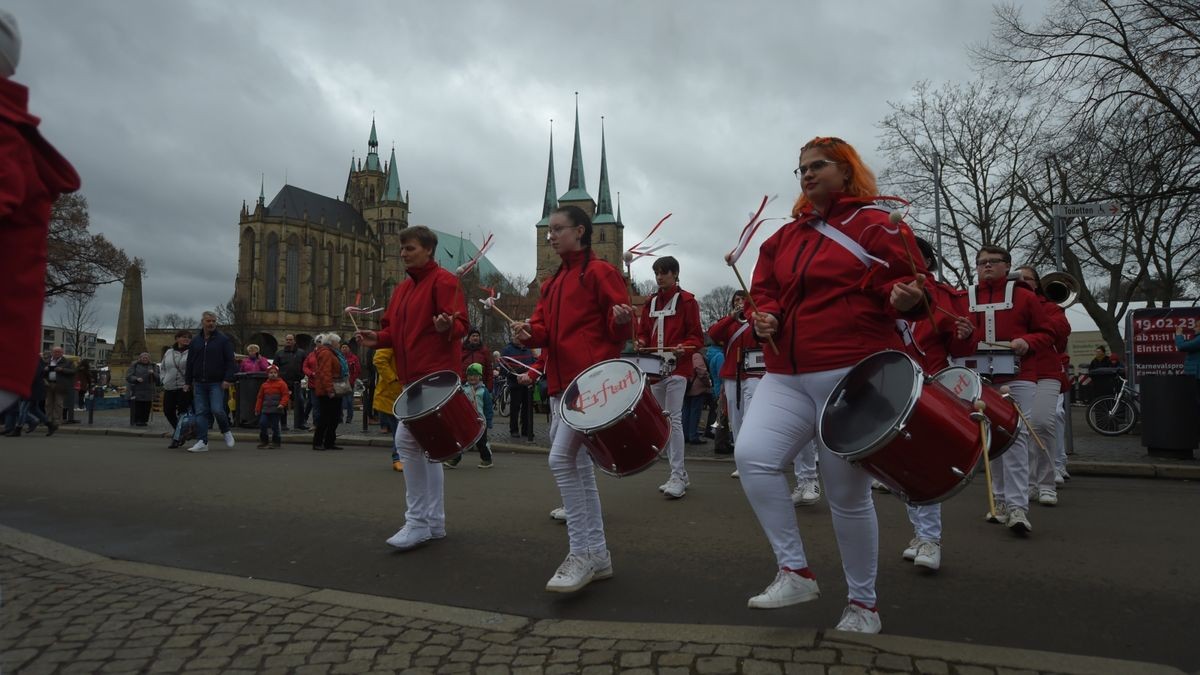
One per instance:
(1047,401)
(1006,313)
(828,287)
(670,324)
(582,318)
(423,324)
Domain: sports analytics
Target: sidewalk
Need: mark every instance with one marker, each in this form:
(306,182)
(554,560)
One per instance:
(1095,455)
(70,611)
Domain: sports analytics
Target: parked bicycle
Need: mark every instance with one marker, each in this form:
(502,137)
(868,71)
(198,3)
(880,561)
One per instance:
(502,397)
(1115,414)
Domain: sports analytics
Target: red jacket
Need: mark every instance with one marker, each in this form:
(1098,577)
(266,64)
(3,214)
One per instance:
(681,329)
(1026,320)
(573,321)
(1052,365)
(328,368)
(310,362)
(275,394)
(354,366)
(32,176)
(833,311)
(407,324)
(481,356)
(721,333)
(929,343)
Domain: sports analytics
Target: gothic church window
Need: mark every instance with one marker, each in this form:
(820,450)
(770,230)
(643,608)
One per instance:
(291,299)
(272,273)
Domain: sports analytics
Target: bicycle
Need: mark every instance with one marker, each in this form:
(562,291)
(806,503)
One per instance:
(502,397)
(1115,414)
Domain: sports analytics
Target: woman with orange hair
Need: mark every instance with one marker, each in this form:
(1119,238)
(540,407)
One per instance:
(828,287)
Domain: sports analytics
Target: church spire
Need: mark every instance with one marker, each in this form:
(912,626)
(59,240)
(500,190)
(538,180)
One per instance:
(551,202)
(349,180)
(262,185)
(577,188)
(604,207)
(391,189)
(619,221)
(373,149)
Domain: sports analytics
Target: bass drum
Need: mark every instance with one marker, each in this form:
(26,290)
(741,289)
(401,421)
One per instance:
(439,415)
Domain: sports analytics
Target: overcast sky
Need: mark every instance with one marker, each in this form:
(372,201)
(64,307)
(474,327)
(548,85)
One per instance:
(171,111)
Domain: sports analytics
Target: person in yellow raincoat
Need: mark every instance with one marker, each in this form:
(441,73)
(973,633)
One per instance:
(387,389)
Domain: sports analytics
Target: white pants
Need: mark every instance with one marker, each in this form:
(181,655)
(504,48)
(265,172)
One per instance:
(576,479)
(777,428)
(423,485)
(806,460)
(669,393)
(1010,481)
(1060,451)
(927,522)
(1044,418)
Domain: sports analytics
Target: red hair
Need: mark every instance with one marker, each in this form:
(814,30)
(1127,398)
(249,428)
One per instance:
(861,182)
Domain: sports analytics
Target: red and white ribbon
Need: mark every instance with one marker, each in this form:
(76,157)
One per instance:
(748,232)
(642,249)
(470,264)
(523,366)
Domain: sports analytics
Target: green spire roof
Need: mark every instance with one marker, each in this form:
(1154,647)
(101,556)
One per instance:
(349,179)
(550,202)
(577,188)
(619,208)
(391,189)
(373,150)
(262,197)
(373,141)
(604,207)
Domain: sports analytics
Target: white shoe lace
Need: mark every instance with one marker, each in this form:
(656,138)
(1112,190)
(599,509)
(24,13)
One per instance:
(926,549)
(853,619)
(572,568)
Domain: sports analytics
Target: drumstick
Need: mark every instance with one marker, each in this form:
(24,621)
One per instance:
(753,307)
(627,256)
(1006,345)
(655,349)
(492,306)
(895,217)
(1006,392)
(985,440)
(948,313)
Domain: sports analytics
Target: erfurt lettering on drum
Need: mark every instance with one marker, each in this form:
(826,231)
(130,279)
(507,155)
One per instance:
(590,399)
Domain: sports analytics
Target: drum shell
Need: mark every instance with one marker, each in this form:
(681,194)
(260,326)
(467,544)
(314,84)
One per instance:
(1004,419)
(633,443)
(939,436)
(446,431)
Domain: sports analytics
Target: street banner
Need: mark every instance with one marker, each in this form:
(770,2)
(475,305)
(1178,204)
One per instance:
(1150,334)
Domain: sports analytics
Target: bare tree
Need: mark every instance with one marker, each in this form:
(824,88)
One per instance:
(234,318)
(77,261)
(170,321)
(77,317)
(714,305)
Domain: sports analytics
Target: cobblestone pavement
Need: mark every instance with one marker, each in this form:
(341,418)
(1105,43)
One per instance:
(69,611)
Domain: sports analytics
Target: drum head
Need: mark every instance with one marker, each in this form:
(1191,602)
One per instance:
(426,395)
(962,382)
(602,394)
(869,405)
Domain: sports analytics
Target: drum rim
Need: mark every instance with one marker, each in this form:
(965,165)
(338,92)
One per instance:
(434,409)
(889,435)
(643,380)
(979,378)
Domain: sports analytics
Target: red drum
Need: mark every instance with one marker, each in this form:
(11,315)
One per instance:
(1000,412)
(440,415)
(920,441)
(655,366)
(624,428)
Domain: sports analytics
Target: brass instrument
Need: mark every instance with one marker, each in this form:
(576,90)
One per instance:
(1061,288)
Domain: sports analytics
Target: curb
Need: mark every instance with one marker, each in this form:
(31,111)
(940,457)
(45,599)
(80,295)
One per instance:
(1078,468)
(962,655)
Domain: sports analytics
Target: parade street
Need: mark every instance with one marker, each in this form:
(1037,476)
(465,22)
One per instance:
(1108,572)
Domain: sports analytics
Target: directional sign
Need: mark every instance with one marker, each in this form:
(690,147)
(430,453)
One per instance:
(1095,210)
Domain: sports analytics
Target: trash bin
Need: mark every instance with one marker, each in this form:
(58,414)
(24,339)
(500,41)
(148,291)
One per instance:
(1169,425)
(248,385)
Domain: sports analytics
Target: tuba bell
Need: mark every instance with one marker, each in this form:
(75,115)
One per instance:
(1061,288)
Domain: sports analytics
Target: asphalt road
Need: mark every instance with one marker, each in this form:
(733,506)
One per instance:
(1109,572)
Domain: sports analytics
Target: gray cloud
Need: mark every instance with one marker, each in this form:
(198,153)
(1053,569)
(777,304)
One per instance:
(172,111)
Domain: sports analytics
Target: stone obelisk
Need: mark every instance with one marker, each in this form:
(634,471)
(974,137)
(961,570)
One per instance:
(131,327)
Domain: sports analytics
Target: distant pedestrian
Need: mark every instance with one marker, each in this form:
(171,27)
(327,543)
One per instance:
(290,360)
(142,379)
(354,368)
(387,390)
(329,402)
(18,413)
(699,390)
(83,383)
(254,362)
(60,384)
(309,369)
(481,396)
(520,396)
(210,371)
(271,406)
(474,351)
(176,398)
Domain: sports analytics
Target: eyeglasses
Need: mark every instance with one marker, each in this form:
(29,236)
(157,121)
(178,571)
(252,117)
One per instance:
(815,165)
(989,261)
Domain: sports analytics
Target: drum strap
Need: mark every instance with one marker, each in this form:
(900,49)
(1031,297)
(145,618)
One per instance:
(660,315)
(989,309)
(842,239)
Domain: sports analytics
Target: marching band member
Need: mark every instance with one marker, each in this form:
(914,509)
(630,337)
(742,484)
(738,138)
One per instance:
(670,323)
(928,342)
(1048,399)
(424,322)
(1005,312)
(581,319)
(828,287)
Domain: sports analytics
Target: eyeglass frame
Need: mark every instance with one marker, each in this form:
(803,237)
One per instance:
(991,261)
(815,165)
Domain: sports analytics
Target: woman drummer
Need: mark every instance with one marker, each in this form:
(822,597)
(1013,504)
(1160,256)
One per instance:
(828,287)
(582,318)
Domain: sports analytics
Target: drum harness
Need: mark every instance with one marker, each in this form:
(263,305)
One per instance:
(660,315)
(989,309)
(738,359)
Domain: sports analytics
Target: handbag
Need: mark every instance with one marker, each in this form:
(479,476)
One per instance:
(341,386)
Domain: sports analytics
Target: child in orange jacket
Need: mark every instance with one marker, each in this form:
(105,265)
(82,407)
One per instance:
(271,406)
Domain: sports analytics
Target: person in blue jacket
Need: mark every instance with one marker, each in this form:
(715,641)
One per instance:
(1190,346)
(210,370)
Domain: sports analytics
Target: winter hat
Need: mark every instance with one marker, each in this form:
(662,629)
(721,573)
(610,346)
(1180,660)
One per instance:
(475,369)
(474,331)
(10,44)
(272,368)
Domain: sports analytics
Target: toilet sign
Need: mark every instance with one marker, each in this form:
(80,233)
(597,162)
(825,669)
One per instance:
(1094,210)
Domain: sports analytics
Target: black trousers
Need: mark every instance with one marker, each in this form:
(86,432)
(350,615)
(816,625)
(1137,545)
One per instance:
(175,403)
(141,412)
(325,435)
(520,410)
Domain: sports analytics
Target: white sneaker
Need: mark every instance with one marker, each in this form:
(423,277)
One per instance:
(788,588)
(929,555)
(1018,522)
(876,485)
(1058,477)
(1033,493)
(228,439)
(807,493)
(675,488)
(1000,516)
(663,487)
(910,553)
(1047,497)
(856,619)
(409,537)
(575,572)
(1065,474)
(437,532)
(559,514)
(735,474)
(200,446)
(602,563)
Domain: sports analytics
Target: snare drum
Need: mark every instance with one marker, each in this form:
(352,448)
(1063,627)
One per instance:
(624,428)
(920,441)
(655,366)
(1000,412)
(991,362)
(754,362)
(439,415)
